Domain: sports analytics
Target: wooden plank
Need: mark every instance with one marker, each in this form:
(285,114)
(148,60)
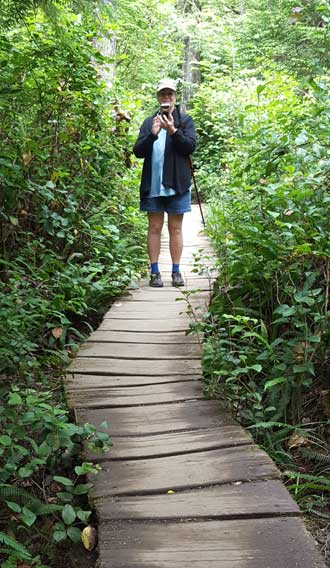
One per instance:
(181,472)
(150,325)
(172,313)
(82,382)
(145,302)
(176,338)
(174,443)
(167,295)
(158,419)
(188,276)
(192,284)
(138,351)
(251,543)
(115,397)
(149,307)
(260,498)
(139,367)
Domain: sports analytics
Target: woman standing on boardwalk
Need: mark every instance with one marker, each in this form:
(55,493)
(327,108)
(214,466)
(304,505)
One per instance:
(165,141)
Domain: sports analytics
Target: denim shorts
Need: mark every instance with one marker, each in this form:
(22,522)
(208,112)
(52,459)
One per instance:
(172,205)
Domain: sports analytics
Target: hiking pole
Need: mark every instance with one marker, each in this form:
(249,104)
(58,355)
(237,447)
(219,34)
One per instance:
(191,167)
(196,188)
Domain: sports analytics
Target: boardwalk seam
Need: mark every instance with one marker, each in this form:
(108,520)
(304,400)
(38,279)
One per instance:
(174,453)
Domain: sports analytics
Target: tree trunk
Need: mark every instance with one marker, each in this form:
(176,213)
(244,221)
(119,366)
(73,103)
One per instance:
(107,46)
(191,71)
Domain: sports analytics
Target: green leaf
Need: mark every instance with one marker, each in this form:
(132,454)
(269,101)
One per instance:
(64,496)
(261,88)
(257,368)
(13,220)
(273,382)
(82,488)
(63,480)
(86,467)
(28,517)
(5,440)
(44,450)
(25,471)
(14,399)
(83,515)
(285,310)
(58,536)
(68,514)
(13,506)
(74,534)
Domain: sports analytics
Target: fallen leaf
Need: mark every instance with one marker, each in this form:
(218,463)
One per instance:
(57,332)
(27,157)
(88,538)
(297,440)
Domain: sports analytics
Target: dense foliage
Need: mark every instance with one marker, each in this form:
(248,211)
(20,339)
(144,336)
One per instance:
(264,168)
(71,238)
(77,77)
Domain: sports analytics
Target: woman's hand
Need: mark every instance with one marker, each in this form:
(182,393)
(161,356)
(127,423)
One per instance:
(167,122)
(156,125)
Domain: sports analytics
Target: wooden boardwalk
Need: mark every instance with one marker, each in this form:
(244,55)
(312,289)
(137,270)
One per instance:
(183,485)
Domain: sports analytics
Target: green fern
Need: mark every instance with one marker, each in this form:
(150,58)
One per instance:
(14,546)
(24,497)
(318,479)
(313,455)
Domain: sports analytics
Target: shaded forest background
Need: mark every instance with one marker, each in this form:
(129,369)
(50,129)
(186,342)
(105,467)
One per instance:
(76,80)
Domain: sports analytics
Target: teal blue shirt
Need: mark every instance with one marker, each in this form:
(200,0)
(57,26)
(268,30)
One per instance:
(157,165)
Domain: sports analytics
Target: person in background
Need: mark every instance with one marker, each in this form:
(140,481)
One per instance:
(165,141)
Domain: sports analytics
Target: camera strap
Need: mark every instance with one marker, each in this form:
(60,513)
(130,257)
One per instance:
(191,165)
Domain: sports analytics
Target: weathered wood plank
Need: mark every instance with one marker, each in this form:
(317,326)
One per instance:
(150,325)
(174,443)
(114,397)
(165,296)
(261,498)
(250,543)
(139,367)
(176,303)
(139,351)
(82,382)
(176,338)
(157,419)
(196,283)
(181,472)
(174,308)
(173,313)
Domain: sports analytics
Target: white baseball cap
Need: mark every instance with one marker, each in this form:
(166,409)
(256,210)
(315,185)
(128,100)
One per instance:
(166,84)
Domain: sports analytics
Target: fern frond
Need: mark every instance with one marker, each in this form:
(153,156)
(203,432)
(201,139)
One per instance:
(313,455)
(307,487)
(22,496)
(319,479)
(15,546)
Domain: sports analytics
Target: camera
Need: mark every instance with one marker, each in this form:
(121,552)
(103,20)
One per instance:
(164,109)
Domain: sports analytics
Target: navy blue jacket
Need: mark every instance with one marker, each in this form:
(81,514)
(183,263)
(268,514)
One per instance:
(178,146)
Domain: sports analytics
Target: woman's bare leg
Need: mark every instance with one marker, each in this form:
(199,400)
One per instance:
(156,221)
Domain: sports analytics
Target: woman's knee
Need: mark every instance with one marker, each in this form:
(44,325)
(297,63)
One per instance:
(175,225)
(156,222)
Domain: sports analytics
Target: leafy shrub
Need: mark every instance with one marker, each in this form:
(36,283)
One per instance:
(38,441)
(267,341)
